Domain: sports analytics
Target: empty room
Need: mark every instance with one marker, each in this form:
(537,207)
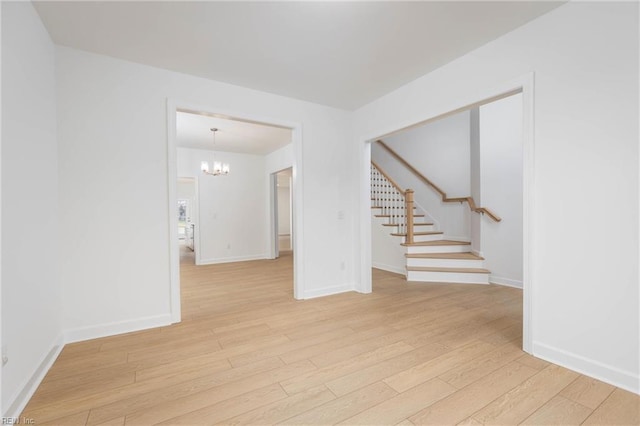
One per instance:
(320,212)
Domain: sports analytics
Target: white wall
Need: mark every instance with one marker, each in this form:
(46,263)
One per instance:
(284,210)
(440,151)
(113,153)
(231,214)
(584,280)
(31,290)
(501,183)
(387,253)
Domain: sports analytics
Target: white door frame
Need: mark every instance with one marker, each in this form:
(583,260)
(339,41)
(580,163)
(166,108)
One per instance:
(274,235)
(173,106)
(525,85)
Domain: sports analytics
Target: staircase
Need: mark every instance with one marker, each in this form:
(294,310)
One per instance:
(429,257)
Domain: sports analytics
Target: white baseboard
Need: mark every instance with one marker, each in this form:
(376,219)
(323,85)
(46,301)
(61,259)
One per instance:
(477,253)
(505,281)
(232,259)
(328,291)
(390,268)
(19,401)
(606,373)
(120,327)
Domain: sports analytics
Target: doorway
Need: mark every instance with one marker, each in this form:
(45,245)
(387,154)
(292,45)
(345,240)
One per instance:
(282,196)
(523,85)
(225,189)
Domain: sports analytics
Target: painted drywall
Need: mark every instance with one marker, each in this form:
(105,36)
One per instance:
(501,183)
(31,290)
(584,279)
(440,151)
(116,268)
(231,209)
(386,252)
(284,210)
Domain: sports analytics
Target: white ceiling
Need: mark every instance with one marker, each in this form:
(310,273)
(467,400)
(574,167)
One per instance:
(194,131)
(342,54)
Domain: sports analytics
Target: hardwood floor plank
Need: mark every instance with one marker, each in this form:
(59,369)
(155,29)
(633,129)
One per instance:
(427,370)
(620,408)
(168,402)
(333,371)
(533,362)
(217,413)
(366,376)
(78,419)
(587,391)
(345,406)
(465,402)
(519,403)
(403,405)
(558,411)
(278,412)
(479,367)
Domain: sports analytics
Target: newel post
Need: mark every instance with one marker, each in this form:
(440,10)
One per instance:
(408,201)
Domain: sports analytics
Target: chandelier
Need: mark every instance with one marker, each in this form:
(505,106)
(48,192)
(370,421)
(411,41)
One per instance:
(219,168)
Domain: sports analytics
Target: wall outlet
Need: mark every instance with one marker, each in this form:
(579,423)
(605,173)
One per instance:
(5,356)
(342,266)
(229,246)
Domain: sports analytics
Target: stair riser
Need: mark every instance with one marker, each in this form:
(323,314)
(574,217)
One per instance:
(438,249)
(420,238)
(448,277)
(445,263)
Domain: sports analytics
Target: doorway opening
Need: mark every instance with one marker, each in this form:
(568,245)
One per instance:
(228,219)
(522,86)
(282,201)
(186,192)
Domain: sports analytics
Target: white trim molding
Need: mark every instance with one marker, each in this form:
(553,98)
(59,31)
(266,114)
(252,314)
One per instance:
(113,328)
(328,291)
(505,281)
(390,268)
(589,367)
(247,258)
(20,400)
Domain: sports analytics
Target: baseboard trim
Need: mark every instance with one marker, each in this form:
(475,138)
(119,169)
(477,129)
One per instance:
(390,268)
(232,259)
(477,253)
(508,282)
(327,291)
(19,402)
(120,327)
(603,372)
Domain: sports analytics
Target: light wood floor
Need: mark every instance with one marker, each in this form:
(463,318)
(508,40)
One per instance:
(247,353)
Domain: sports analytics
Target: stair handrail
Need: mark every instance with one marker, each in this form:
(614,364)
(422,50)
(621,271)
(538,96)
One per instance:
(408,203)
(469,200)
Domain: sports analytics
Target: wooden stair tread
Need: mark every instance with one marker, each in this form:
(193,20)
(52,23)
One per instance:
(462,256)
(439,243)
(395,234)
(455,270)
